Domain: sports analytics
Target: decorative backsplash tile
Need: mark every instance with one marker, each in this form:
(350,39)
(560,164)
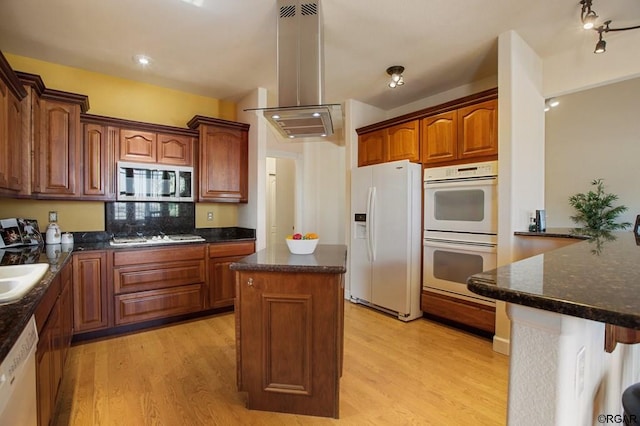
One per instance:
(149,218)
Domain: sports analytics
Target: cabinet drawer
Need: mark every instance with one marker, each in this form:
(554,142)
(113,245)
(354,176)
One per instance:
(231,249)
(167,254)
(158,276)
(148,305)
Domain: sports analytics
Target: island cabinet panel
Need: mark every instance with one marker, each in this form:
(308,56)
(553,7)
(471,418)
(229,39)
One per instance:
(59,149)
(138,146)
(221,280)
(98,161)
(90,291)
(290,341)
(158,283)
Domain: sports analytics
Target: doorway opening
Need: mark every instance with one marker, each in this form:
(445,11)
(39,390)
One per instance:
(280,199)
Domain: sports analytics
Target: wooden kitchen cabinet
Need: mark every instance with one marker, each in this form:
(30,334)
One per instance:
(90,291)
(53,320)
(397,142)
(59,147)
(222,280)
(371,148)
(223,160)
(152,147)
(11,148)
(158,283)
(99,166)
(466,134)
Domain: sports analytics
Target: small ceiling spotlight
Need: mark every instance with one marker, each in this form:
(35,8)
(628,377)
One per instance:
(550,103)
(395,72)
(588,16)
(143,60)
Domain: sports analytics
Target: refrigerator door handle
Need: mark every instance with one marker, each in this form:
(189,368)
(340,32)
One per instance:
(372,226)
(368,225)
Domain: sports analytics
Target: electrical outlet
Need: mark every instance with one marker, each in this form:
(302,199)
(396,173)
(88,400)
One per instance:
(580,360)
(209,215)
(53,216)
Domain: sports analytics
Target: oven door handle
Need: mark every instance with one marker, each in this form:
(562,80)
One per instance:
(452,183)
(462,245)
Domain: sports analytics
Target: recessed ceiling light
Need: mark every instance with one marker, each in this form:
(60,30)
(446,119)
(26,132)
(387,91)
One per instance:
(197,3)
(143,60)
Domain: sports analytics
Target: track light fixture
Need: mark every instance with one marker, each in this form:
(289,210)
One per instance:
(589,18)
(395,72)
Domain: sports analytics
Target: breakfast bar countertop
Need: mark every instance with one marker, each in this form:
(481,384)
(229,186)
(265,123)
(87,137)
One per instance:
(596,279)
(329,259)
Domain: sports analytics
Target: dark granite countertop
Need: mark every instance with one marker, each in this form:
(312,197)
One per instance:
(328,259)
(597,279)
(15,315)
(555,233)
(87,241)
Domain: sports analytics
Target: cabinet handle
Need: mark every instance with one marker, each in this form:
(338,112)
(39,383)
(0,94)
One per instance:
(250,281)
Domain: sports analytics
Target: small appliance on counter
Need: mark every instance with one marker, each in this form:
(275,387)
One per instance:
(53,235)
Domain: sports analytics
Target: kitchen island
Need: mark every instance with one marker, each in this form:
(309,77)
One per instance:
(568,309)
(290,328)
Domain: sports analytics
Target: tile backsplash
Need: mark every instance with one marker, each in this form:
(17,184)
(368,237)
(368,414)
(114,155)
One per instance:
(149,218)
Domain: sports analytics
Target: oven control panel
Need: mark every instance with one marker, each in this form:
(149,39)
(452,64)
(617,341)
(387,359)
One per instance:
(475,170)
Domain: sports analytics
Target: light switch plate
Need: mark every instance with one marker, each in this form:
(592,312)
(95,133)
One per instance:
(53,216)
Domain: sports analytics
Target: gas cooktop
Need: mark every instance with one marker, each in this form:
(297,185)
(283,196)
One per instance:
(156,239)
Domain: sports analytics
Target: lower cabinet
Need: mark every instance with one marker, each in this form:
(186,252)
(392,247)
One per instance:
(222,281)
(90,291)
(158,283)
(53,319)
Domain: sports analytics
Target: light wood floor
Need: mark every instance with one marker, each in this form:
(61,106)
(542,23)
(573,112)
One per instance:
(395,373)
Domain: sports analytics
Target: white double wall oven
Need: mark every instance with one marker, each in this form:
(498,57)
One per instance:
(460,227)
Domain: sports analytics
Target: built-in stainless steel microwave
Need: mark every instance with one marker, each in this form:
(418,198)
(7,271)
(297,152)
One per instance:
(154,182)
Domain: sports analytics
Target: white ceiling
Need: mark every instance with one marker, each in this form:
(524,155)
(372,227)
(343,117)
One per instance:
(226,48)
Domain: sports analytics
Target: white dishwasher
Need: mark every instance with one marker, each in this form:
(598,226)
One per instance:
(18,404)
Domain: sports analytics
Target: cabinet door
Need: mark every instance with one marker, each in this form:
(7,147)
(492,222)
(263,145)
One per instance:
(371,148)
(14,143)
(59,150)
(90,307)
(478,130)
(403,142)
(138,146)
(222,282)
(99,164)
(44,379)
(223,164)
(439,135)
(175,149)
(66,311)
(4,136)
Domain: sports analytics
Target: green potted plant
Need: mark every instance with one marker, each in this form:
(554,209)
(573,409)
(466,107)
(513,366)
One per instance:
(595,211)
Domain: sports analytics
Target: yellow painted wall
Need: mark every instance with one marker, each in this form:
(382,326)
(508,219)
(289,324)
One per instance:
(120,98)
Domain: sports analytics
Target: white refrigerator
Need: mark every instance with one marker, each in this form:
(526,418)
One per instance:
(386,238)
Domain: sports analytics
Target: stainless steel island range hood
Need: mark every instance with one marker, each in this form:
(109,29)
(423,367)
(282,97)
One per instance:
(301,112)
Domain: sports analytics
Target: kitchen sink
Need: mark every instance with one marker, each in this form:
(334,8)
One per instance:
(17,280)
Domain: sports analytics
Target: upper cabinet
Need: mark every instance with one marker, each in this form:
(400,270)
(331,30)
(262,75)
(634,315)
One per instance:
(58,150)
(460,131)
(11,148)
(152,147)
(98,161)
(223,159)
(397,142)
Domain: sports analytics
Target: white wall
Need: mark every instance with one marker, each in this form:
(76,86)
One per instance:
(593,134)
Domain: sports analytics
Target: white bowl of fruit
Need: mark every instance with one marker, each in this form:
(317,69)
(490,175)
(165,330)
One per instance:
(302,243)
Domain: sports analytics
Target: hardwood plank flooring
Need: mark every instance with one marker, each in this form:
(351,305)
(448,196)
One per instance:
(395,373)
